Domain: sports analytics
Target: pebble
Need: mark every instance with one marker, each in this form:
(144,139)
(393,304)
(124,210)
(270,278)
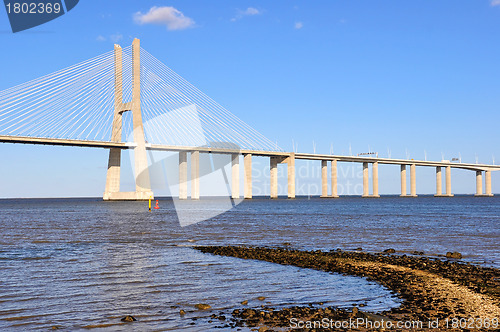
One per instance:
(202,306)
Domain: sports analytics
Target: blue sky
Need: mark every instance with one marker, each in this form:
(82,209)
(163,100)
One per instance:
(404,76)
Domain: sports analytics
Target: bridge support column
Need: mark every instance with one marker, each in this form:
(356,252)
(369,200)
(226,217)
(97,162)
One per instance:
(324,178)
(479,183)
(274,177)
(366,189)
(195,175)
(487,176)
(375,179)
(413,181)
(247,161)
(235,176)
(448,181)
(183,173)
(113,175)
(334,179)
(439,182)
(291,176)
(403,181)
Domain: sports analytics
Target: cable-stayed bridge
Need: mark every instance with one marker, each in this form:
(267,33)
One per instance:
(128,99)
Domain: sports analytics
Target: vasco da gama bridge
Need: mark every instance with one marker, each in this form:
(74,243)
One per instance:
(127,99)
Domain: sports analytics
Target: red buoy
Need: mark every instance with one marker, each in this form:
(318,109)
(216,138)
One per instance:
(157,206)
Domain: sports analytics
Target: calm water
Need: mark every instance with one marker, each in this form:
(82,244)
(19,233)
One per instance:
(75,262)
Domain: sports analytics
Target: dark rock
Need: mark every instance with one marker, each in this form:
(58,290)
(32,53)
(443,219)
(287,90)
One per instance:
(455,255)
(374,317)
(128,318)
(389,251)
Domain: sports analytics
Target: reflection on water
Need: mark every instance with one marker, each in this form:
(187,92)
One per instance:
(75,263)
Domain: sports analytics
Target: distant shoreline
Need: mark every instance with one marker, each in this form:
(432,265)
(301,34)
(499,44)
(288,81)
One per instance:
(280,198)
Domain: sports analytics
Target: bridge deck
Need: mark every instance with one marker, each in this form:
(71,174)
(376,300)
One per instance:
(306,156)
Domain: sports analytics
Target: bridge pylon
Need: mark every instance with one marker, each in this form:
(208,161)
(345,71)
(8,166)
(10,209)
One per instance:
(142,181)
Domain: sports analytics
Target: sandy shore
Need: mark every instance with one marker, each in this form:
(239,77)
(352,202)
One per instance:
(433,290)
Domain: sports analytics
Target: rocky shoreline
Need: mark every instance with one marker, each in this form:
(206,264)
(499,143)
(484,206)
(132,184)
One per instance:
(432,289)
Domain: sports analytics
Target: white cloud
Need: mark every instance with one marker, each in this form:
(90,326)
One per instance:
(250,11)
(495,3)
(116,38)
(172,18)
(299,25)
(112,38)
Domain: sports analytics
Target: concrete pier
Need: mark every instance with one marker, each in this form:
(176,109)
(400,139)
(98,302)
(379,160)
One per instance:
(366,185)
(334,179)
(324,178)
(487,176)
(274,177)
(439,182)
(403,181)
(413,181)
(448,181)
(366,189)
(113,174)
(235,176)
(183,174)
(195,175)
(375,179)
(247,180)
(479,183)
(291,176)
